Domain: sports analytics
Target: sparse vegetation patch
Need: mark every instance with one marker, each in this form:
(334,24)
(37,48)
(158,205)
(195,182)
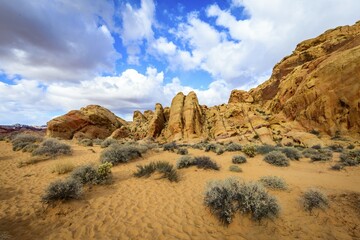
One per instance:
(63,190)
(238,159)
(313,198)
(52,147)
(166,169)
(273,182)
(117,154)
(277,158)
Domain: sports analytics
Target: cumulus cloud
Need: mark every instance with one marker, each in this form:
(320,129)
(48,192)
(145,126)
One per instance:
(136,28)
(57,40)
(243,51)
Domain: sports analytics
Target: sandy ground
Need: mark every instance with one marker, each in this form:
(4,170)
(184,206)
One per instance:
(151,208)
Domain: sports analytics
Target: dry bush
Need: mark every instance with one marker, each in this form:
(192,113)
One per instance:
(63,167)
(314,198)
(52,147)
(117,154)
(170,146)
(233,147)
(166,169)
(249,150)
(273,182)
(226,197)
(238,159)
(350,158)
(107,142)
(90,174)
(86,142)
(62,190)
(235,168)
(277,158)
(182,151)
(291,153)
(203,162)
(265,149)
(20,141)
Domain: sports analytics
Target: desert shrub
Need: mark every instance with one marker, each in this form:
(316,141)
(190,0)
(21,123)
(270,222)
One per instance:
(200,146)
(182,151)
(273,182)
(104,174)
(249,150)
(205,162)
(351,146)
(337,167)
(86,142)
(309,152)
(233,147)
(84,174)
(313,198)
(351,158)
(219,151)
(265,149)
(237,159)
(254,199)
(63,167)
(321,155)
(117,154)
(166,169)
(89,174)
(220,197)
(185,162)
(211,147)
(30,147)
(317,146)
(62,190)
(235,168)
(107,142)
(277,158)
(225,198)
(315,132)
(22,140)
(291,153)
(52,147)
(97,141)
(170,146)
(2,137)
(336,148)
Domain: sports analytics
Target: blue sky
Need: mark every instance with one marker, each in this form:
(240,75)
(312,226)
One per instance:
(60,55)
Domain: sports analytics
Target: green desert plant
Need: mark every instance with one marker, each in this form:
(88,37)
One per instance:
(226,197)
(235,168)
(117,154)
(277,158)
(237,159)
(182,151)
(233,147)
(63,167)
(62,190)
(20,141)
(265,149)
(273,182)
(291,153)
(166,169)
(170,146)
(86,142)
(107,142)
(249,150)
(314,198)
(52,147)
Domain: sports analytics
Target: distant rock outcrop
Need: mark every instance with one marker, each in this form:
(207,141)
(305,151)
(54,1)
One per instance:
(92,121)
(157,122)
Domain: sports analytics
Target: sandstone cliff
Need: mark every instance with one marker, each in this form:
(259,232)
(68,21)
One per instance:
(316,87)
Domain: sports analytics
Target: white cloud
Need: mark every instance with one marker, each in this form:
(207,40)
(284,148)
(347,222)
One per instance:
(57,40)
(137,27)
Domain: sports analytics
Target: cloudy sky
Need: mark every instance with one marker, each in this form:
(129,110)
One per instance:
(126,55)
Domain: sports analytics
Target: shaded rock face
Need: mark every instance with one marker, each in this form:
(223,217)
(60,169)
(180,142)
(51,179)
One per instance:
(319,84)
(157,122)
(92,121)
(240,96)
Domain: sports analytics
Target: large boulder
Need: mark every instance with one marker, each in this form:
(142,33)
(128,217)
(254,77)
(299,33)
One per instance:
(92,121)
(157,122)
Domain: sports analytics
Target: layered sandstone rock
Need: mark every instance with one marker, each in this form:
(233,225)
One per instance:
(185,118)
(92,121)
(157,122)
(319,84)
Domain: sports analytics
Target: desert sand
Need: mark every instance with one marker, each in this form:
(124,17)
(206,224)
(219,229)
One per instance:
(153,208)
